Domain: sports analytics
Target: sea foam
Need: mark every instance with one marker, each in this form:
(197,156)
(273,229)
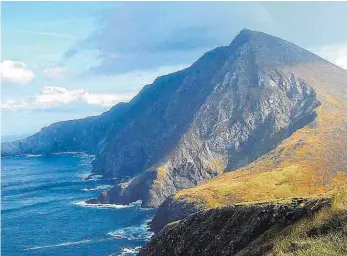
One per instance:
(137,232)
(130,251)
(102,206)
(58,245)
(101,187)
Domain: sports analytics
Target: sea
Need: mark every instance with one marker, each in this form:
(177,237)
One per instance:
(43,210)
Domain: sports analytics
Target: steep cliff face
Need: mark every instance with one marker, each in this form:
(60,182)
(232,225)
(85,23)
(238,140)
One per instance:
(83,135)
(230,107)
(235,230)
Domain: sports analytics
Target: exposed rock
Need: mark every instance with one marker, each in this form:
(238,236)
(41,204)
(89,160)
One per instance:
(172,210)
(236,230)
(230,107)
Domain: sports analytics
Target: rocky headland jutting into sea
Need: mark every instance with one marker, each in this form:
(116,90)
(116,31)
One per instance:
(263,118)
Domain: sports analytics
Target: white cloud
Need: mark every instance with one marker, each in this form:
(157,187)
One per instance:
(54,72)
(52,96)
(16,72)
(64,99)
(12,104)
(336,54)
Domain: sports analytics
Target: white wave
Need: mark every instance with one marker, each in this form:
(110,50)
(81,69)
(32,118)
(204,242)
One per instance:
(33,155)
(139,232)
(102,206)
(88,164)
(101,187)
(130,251)
(87,177)
(83,176)
(81,155)
(59,245)
(96,177)
(136,203)
(72,153)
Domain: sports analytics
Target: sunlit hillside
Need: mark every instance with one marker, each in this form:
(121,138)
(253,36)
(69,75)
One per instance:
(310,162)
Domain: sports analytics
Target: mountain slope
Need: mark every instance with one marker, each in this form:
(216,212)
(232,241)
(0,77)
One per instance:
(229,108)
(82,135)
(311,161)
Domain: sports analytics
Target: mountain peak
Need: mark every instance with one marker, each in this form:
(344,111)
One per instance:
(247,34)
(268,50)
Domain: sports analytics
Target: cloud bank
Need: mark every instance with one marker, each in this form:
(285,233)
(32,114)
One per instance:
(138,36)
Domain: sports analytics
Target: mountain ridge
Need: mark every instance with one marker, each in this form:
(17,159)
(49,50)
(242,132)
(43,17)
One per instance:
(248,97)
(248,72)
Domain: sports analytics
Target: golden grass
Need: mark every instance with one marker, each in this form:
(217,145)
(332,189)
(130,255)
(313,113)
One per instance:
(311,161)
(161,172)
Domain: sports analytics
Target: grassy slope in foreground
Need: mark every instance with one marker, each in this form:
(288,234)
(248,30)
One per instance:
(314,227)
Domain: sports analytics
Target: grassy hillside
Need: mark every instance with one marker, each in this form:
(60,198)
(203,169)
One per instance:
(311,162)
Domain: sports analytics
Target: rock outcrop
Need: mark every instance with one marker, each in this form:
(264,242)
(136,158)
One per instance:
(235,230)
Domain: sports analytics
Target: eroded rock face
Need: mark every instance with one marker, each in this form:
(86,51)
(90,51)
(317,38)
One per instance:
(170,211)
(236,230)
(230,107)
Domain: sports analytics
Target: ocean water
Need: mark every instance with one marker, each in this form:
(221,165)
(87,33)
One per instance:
(43,210)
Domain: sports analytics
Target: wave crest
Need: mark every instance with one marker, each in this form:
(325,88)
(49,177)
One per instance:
(102,206)
(139,232)
(101,187)
(59,245)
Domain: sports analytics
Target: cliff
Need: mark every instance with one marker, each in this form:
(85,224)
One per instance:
(312,160)
(233,105)
(261,106)
(234,230)
(296,226)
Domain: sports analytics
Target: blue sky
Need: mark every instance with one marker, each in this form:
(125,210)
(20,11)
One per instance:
(67,60)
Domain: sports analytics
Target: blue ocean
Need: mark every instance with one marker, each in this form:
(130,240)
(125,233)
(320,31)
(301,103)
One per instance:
(43,210)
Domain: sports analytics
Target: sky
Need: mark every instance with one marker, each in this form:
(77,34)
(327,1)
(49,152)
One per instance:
(68,60)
